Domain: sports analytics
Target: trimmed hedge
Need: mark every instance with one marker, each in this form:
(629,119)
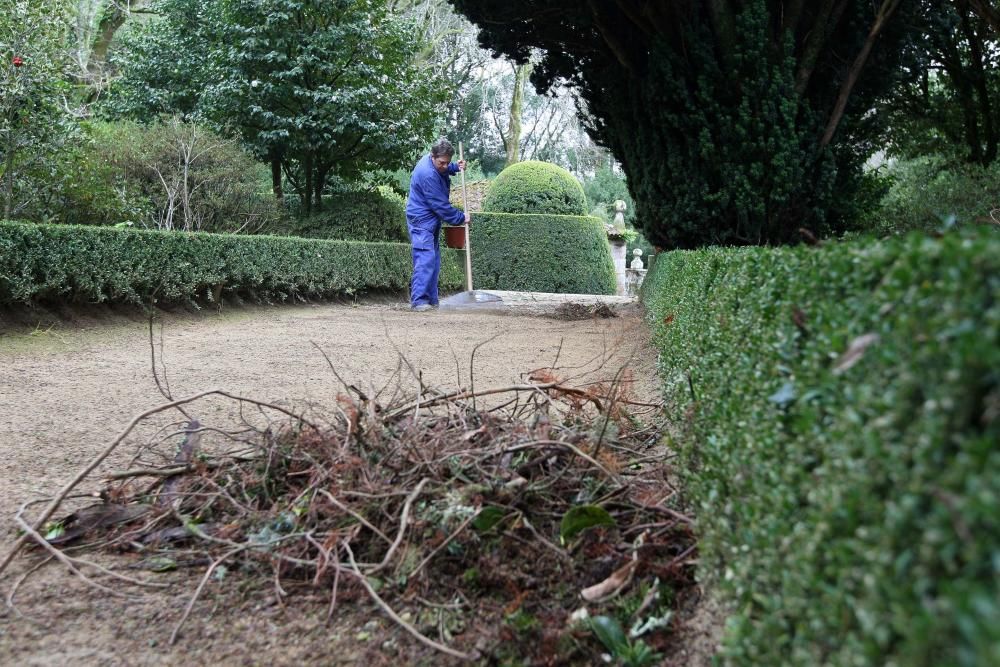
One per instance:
(100,264)
(536,187)
(354,215)
(541,253)
(849,513)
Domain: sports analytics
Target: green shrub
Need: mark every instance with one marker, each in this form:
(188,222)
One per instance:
(541,253)
(930,193)
(101,264)
(94,185)
(378,214)
(536,187)
(848,502)
(168,175)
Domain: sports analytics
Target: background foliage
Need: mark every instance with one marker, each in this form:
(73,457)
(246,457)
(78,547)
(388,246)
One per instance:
(945,103)
(355,214)
(931,194)
(165,175)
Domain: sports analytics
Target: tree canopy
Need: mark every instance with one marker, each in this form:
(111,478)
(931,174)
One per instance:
(315,87)
(947,102)
(736,122)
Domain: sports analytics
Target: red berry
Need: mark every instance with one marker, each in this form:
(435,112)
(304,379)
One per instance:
(18,61)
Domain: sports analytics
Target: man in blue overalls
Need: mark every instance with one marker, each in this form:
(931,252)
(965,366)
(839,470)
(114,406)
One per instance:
(427,207)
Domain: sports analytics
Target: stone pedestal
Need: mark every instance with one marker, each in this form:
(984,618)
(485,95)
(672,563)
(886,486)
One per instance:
(618,255)
(633,281)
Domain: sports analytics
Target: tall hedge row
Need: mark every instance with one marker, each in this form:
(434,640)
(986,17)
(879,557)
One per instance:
(101,264)
(839,414)
(566,254)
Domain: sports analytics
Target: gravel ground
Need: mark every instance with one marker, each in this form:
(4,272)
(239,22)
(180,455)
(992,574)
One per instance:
(69,386)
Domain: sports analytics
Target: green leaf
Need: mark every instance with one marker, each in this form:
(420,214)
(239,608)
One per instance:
(582,517)
(610,632)
(54,530)
(160,564)
(488,517)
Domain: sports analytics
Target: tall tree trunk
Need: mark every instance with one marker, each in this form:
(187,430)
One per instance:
(826,20)
(114,18)
(512,142)
(8,190)
(988,12)
(275,158)
(881,18)
(978,75)
(952,60)
(319,183)
(115,15)
(307,190)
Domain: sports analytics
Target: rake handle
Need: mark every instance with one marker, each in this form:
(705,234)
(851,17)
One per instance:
(468,243)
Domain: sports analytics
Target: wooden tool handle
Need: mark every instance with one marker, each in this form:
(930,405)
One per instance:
(468,239)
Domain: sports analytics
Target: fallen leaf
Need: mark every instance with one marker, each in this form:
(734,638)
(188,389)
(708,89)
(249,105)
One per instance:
(618,580)
(854,352)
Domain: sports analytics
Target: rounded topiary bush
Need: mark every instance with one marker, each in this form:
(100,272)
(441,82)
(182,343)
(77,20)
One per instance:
(536,187)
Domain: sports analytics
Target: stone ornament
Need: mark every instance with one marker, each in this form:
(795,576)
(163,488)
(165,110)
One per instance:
(636,259)
(620,214)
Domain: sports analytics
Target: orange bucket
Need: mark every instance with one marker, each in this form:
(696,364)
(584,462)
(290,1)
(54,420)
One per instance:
(454,236)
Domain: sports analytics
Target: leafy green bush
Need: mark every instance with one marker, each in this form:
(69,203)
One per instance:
(541,253)
(839,413)
(103,264)
(35,123)
(167,175)
(378,214)
(536,187)
(931,193)
(94,187)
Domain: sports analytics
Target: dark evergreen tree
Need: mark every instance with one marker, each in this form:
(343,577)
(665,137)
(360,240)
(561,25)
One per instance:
(736,122)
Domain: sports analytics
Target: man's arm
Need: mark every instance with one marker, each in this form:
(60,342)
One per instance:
(436,198)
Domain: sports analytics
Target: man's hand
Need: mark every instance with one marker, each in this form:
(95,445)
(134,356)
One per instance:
(468,218)
(461,165)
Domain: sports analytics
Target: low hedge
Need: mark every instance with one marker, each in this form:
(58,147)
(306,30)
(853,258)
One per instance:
(541,253)
(100,264)
(848,501)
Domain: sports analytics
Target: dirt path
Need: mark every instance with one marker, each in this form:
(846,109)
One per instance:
(65,392)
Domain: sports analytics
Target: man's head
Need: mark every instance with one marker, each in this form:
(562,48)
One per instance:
(441,153)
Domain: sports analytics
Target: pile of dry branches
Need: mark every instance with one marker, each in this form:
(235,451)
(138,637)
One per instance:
(551,494)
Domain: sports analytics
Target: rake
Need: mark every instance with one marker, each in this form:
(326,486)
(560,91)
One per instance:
(470,298)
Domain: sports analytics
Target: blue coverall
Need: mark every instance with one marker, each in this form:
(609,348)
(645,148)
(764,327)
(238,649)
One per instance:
(426,208)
